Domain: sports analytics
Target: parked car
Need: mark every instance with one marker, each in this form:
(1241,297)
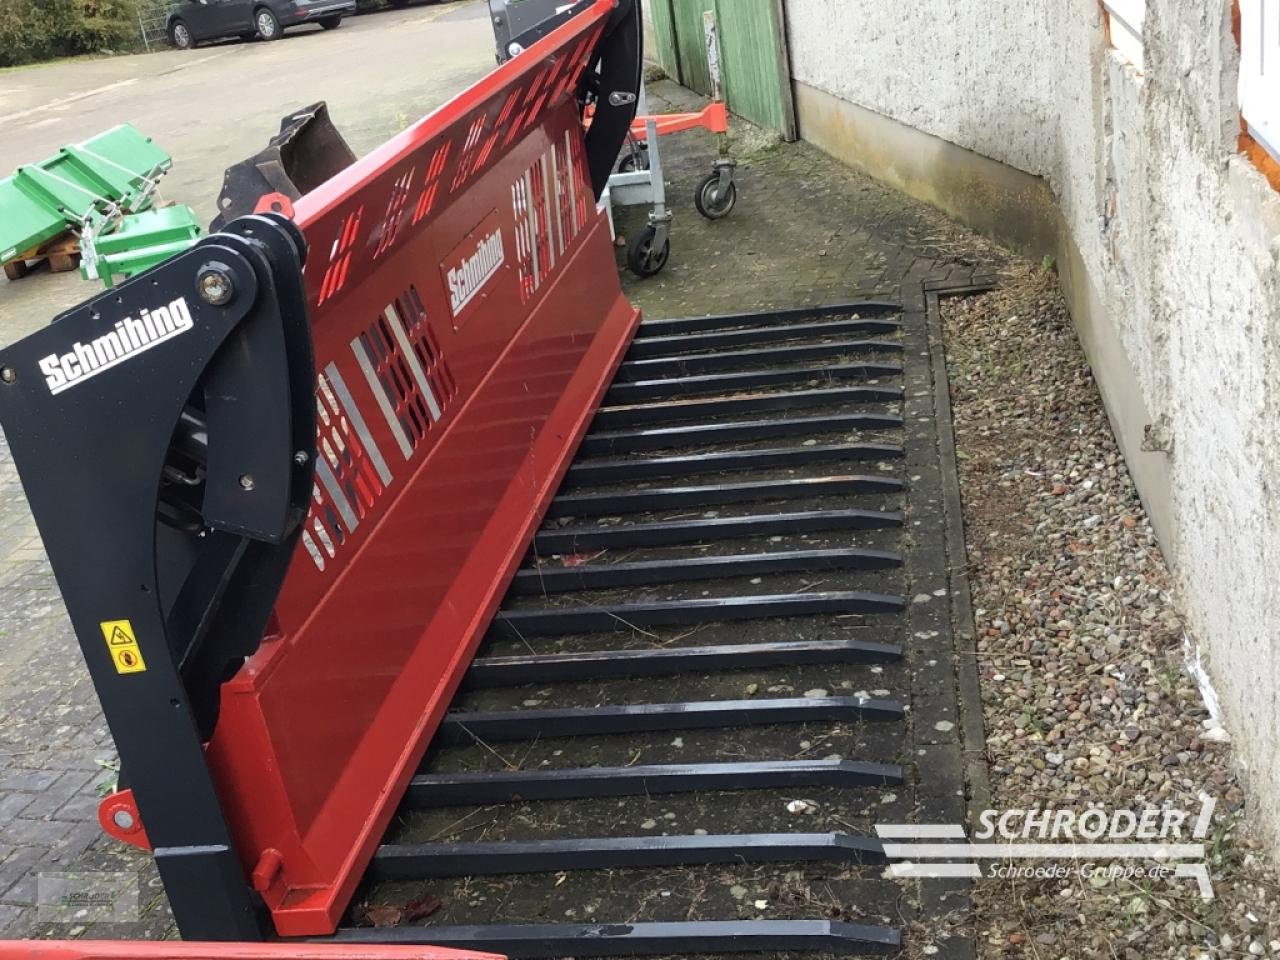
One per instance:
(192,21)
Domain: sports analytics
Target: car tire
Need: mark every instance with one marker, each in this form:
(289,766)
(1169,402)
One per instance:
(180,35)
(267,24)
(330,23)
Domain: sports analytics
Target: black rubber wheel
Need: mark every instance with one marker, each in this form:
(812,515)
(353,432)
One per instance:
(267,24)
(709,205)
(642,258)
(637,159)
(330,23)
(180,35)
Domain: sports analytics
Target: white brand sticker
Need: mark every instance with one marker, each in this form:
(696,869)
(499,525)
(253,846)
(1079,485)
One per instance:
(131,336)
(469,277)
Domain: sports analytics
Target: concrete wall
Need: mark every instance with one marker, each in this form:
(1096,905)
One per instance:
(1168,245)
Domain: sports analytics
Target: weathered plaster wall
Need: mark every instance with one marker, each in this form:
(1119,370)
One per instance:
(1168,247)
(928,64)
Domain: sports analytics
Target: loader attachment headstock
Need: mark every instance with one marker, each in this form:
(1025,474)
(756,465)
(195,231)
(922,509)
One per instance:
(284,478)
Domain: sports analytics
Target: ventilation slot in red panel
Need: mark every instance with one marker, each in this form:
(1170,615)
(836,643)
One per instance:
(402,363)
(350,470)
(340,256)
(551,203)
(394,217)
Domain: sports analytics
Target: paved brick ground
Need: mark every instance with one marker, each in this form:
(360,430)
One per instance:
(806,230)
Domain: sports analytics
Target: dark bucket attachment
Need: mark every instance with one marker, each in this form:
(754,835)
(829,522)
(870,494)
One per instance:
(306,152)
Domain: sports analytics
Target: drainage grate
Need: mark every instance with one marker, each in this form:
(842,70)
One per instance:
(726,659)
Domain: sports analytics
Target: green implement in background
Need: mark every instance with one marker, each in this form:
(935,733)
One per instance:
(117,168)
(138,242)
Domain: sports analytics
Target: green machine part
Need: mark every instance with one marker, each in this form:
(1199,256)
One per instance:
(117,168)
(138,242)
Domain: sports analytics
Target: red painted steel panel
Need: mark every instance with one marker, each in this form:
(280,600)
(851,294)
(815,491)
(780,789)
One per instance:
(442,439)
(176,950)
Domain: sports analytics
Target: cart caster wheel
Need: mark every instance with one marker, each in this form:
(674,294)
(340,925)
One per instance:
(643,259)
(636,159)
(711,205)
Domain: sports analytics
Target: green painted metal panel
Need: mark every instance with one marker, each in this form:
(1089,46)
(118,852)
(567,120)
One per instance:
(44,199)
(24,223)
(139,242)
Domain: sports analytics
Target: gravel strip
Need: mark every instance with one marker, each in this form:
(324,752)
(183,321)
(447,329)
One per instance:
(1085,696)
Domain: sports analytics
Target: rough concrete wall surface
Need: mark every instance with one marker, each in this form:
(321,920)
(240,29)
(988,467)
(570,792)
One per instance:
(1179,238)
(930,64)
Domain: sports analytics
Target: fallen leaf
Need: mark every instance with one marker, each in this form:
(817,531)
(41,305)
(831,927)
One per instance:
(578,559)
(420,907)
(383,915)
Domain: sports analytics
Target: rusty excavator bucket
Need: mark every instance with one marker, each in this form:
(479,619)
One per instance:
(307,152)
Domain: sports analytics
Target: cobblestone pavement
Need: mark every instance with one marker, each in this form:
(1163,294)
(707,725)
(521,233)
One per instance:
(806,230)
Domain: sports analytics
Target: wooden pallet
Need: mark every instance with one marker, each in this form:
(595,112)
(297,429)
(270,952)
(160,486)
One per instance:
(62,252)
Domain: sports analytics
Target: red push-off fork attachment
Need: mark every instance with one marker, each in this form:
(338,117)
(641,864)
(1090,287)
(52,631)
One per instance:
(435,371)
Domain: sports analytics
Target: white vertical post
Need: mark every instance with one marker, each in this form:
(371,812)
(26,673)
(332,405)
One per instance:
(711,35)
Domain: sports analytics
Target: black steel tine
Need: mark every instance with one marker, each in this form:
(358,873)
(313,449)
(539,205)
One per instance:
(516,623)
(635,370)
(548,941)
(612,471)
(621,502)
(567,540)
(672,345)
(663,438)
(506,725)
(419,861)
(548,579)
(729,383)
(662,661)
(432,790)
(617,418)
(724,321)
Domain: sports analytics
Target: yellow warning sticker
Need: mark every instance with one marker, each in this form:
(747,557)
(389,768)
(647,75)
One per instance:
(123,646)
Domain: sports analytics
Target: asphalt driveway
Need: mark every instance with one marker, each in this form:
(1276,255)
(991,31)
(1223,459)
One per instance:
(219,103)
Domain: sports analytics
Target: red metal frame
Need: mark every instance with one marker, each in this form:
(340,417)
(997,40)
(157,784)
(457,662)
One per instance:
(457,374)
(714,117)
(177,950)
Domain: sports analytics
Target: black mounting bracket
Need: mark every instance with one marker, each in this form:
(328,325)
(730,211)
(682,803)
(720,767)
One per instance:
(165,433)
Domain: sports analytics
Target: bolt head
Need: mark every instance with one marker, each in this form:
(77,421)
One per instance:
(9,375)
(246,482)
(301,458)
(123,819)
(215,284)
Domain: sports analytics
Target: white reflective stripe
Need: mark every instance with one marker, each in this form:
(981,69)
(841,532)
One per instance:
(411,358)
(357,422)
(330,483)
(573,186)
(380,395)
(533,227)
(316,556)
(549,188)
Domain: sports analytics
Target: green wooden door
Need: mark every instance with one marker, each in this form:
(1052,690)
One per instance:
(664,36)
(755,74)
(691,50)
(753,63)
